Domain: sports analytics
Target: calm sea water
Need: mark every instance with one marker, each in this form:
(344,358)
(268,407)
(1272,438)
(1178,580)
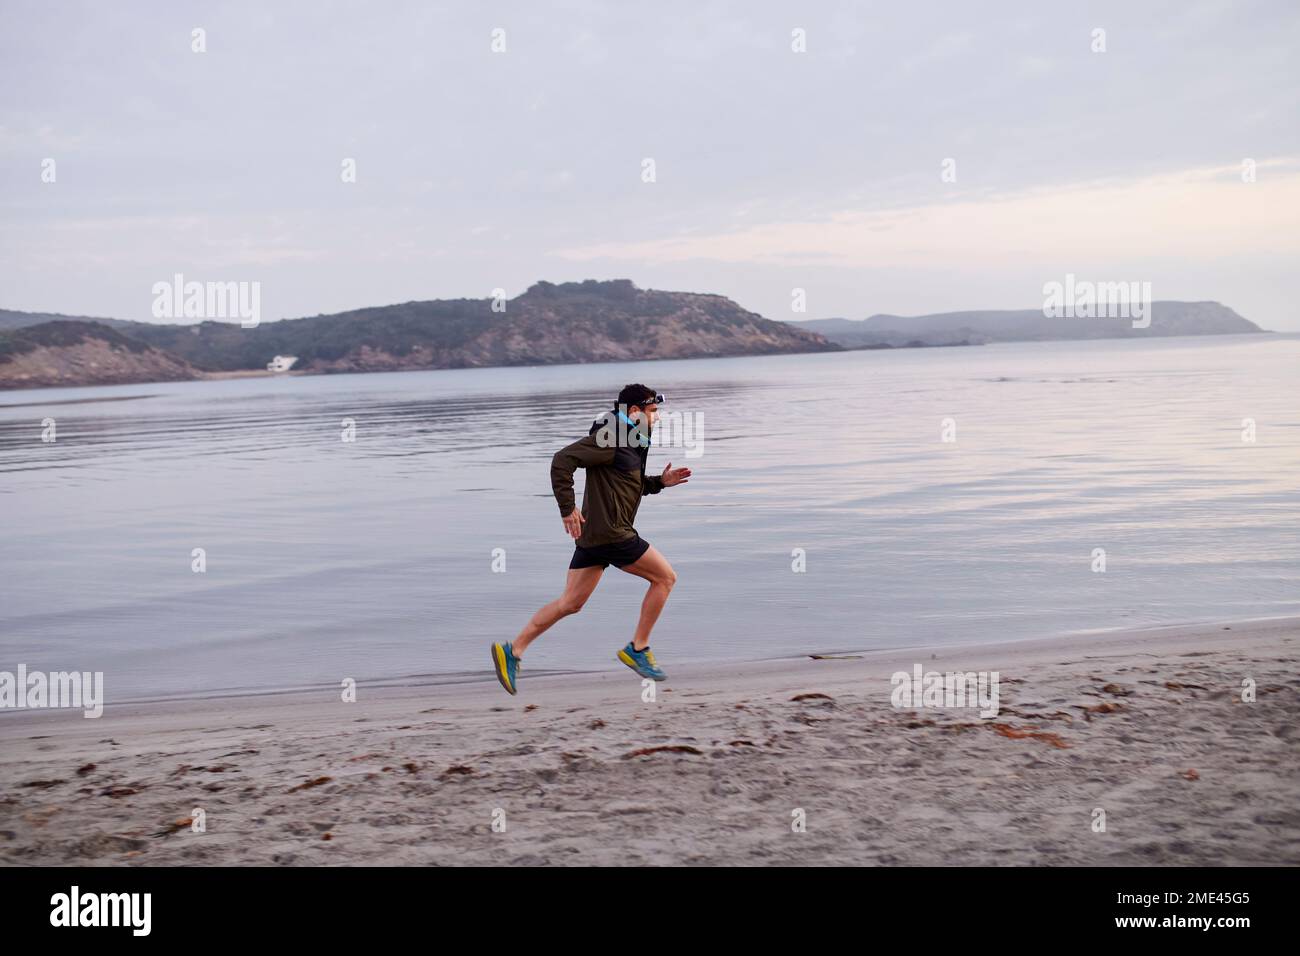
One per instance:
(374,559)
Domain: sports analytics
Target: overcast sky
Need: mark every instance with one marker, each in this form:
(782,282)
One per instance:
(775,169)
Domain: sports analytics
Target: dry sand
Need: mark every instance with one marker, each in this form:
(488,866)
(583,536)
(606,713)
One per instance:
(1148,726)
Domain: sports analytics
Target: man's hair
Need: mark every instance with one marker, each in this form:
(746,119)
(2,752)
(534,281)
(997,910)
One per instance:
(635,395)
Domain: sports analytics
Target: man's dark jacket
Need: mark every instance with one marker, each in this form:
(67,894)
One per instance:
(615,459)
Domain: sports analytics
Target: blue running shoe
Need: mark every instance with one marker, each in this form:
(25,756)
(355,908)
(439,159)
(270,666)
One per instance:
(507,666)
(643,662)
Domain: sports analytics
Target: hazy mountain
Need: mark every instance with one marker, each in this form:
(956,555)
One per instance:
(572,322)
(1026,325)
(857,334)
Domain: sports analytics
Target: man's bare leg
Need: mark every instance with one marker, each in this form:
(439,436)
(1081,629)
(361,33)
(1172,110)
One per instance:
(654,567)
(577,588)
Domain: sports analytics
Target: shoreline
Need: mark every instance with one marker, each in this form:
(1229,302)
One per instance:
(416,683)
(236,374)
(1145,725)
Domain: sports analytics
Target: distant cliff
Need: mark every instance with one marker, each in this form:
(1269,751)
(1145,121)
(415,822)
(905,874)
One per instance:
(571,322)
(71,352)
(1026,325)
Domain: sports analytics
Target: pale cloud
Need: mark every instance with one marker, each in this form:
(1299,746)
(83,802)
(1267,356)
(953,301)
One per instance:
(170,241)
(944,47)
(587,48)
(39,138)
(1202,213)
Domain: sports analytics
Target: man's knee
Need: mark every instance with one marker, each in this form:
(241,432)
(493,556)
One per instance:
(571,605)
(668,579)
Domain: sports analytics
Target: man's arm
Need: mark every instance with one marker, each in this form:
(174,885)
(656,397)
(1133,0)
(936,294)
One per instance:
(651,485)
(584,453)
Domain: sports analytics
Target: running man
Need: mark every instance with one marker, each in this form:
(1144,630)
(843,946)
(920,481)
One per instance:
(614,454)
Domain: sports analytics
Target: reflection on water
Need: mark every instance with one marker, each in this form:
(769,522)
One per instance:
(372,559)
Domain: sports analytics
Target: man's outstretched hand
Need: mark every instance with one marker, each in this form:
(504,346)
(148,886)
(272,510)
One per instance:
(573,523)
(675,476)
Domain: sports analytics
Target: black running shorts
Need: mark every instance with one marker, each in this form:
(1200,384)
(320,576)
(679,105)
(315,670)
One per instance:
(620,554)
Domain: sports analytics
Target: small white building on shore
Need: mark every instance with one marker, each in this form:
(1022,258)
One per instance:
(281,363)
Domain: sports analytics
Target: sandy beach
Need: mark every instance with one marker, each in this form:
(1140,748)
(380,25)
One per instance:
(1147,726)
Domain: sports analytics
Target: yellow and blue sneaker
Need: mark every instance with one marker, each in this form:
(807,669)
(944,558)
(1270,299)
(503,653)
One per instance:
(507,666)
(643,662)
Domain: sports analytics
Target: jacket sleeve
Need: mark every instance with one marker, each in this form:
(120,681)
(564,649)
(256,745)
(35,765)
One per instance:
(651,485)
(584,453)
